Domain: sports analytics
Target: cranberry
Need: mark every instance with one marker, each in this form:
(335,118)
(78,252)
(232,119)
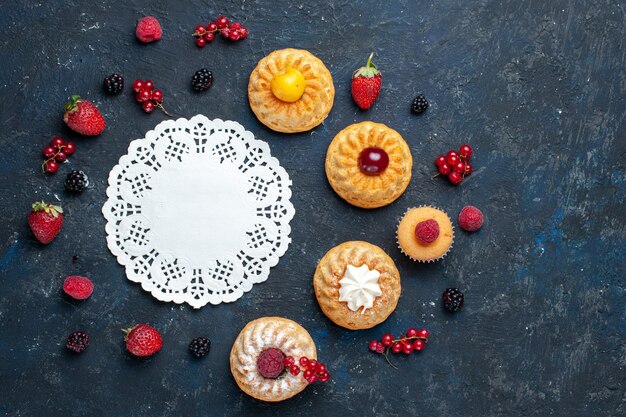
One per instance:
(52,167)
(423,333)
(387,340)
(222,22)
(49,152)
(157,95)
(209,37)
(418,344)
(200,42)
(459,167)
(199,30)
(61,157)
(412,332)
(373,161)
(445,169)
(148,85)
(211,27)
(468,168)
(137,86)
(57,142)
(396,347)
(465,151)
(70,148)
(148,106)
(455,178)
(440,160)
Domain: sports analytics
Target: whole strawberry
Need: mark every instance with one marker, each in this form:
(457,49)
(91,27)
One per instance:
(83,116)
(143,340)
(366,83)
(45,220)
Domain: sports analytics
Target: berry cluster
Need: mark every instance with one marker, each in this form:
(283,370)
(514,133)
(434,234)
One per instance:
(413,341)
(313,370)
(455,164)
(56,153)
(148,96)
(233,31)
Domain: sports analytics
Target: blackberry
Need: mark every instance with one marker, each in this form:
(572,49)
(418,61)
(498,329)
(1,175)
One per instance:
(200,346)
(77,341)
(452,299)
(420,104)
(113,84)
(76,181)
(202,80)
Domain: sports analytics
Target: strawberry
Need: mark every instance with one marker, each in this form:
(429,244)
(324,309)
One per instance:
(143,340)
(83,116)
(366,83)
(45,220)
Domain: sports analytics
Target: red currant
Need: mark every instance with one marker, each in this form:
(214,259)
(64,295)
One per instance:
(211,27)
(373,161)
(455,178)
(465,151)
(143,95)
(148,85)
(396,347)
(199,30)
(209,37)
(418,344)
(324,377)
(61,157)
(308,374)
(412,332)
(440,160)
(459,167)
(379,347)
(444,169)
(49,151)
(70,148)
(157,95)
(452,152)
(312,364)
(312,379)
(321,368)
(235,26)
(148,106)
(52,167)
(57,142)
(222,22)
(304,361)
(468,168)
(294,370)
(200,42)
(407,348)
(289,360)
(423,333)
(387,340)
(452,160)
(234,35)
(137,86)
(243,33)
(225,32)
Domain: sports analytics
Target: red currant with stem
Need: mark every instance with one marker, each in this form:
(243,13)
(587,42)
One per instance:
(51,166)
(459,167)
(137,86)
(418,344)
(69,148)
(148,85)
(445,169)
(157,95)
(468,168)
(209,36)
(373,161)
(222,22)
(49,152)
(396,347)
(211,27)
(387,340)
(412,332)
(455,178)
(423,333)
(199,30)
(61,157)
(200,42)
(440,160)
(465,151)
(148,106)
(57,142)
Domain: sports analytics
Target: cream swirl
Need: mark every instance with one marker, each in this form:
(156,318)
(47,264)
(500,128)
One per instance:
(359,287)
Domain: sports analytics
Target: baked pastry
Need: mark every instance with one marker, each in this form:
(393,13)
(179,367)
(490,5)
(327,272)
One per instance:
(368,164)
(256,359)
(357,285)
(291,90)
(425,234)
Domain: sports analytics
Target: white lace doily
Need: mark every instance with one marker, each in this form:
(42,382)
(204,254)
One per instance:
(198,211)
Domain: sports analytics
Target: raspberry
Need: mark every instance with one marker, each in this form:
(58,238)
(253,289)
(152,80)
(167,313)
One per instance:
(470,218)
(77,342)
(427,231)
(148,29)
(78,287)
(271,363)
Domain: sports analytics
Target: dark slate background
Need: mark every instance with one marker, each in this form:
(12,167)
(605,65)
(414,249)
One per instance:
(537,87)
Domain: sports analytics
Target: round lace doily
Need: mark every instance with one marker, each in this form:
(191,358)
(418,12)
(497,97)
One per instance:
(198,211)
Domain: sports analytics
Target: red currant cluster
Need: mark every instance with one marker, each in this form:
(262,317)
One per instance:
(233,31)
(414,341)
(455,164)
(148,96)
(313,370)
(56,153)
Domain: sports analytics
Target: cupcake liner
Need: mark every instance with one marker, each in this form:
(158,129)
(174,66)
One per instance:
(424,260)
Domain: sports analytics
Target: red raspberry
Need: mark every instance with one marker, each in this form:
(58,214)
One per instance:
(148,29)
(271,363)
(427,231)
(78,287)
(470,218)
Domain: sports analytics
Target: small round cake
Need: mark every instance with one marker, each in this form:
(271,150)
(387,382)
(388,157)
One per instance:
(291,90)
(258,354)
(357,285)
(425,234)
(369,164)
